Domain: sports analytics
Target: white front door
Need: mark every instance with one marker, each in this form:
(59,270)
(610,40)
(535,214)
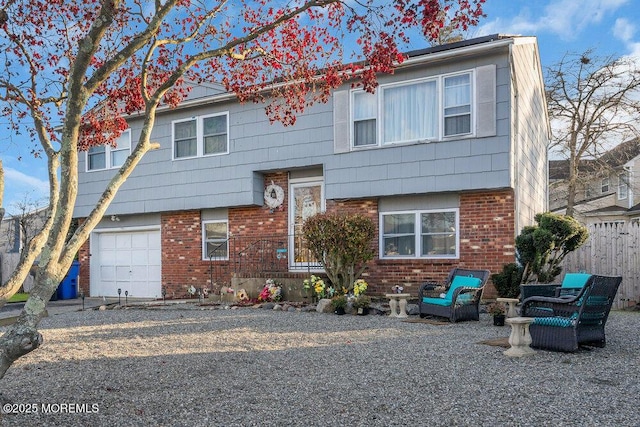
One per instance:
(129,261)
(306,200)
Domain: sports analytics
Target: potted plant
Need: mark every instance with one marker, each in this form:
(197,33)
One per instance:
(497,310)
(361,304)
(339,303)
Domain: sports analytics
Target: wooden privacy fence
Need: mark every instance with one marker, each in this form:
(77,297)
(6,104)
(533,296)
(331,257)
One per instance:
(611,250)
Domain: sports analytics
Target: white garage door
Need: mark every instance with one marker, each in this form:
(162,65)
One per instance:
(129,261)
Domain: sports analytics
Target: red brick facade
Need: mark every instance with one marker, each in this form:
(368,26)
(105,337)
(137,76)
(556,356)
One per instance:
(487,231)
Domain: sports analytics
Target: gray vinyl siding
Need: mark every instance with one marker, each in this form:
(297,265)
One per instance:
(161,184)
(531,135)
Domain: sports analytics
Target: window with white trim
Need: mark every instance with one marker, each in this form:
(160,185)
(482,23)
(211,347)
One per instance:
(201,136)
(623,187)
(420,110)
(457,105)
(420,234)
(215,244)
(107,157)
(604,185)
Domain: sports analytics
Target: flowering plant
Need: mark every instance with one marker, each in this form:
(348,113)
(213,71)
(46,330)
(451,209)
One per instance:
(359,287)
(496,309)
(271,291)
(318,287)
(397,289)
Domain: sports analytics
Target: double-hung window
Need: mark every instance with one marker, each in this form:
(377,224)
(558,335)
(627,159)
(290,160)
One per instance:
(623,187)
(421,110)
(457,105)
(365,111)
(422,234)
(215,240)
(604,185)
(201,136)
(108,157)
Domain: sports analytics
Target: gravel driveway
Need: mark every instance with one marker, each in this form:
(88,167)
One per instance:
(189,366)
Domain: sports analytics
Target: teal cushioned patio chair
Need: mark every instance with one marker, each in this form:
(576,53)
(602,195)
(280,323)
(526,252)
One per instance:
(462,299)
(571,284)
(568,322)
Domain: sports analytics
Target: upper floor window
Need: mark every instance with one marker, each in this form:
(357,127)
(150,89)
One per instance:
(201,136)
(427,109)
(430,234)
(107,157)
(623,187)
(215,240)
(604,186)
(457,105)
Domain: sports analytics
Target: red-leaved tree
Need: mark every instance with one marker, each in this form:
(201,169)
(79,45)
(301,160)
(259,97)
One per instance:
(73,71)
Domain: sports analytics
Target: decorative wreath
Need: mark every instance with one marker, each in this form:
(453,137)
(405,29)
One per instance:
(273,195)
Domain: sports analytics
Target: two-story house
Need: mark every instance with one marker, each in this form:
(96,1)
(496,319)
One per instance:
(448,158)
(606,186)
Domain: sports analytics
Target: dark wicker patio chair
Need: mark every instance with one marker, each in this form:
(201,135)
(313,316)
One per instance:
(462,300)
(568,322)
(571,284)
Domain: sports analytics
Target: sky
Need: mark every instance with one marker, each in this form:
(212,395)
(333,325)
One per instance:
(611,27)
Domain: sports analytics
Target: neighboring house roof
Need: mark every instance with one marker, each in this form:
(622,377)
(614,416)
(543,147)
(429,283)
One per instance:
(613,159)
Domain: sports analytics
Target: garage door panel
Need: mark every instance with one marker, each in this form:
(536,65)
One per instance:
(155,255)
(139,273)
(139,257)
(154,274)
(107,273)
(123,241)
(107,257)
(123,257)
(140,241)
(130,261)
(107,241)
(123,273)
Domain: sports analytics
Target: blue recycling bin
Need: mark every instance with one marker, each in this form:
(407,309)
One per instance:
(68,288)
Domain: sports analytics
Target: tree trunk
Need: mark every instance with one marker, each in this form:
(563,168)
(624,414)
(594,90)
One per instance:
(23,336)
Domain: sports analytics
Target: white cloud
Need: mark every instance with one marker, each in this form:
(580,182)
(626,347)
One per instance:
(564,18)
(15,177)
(19,186)
(624,30)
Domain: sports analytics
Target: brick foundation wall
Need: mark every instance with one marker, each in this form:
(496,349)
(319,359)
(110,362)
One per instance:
(84,258)
(487,233)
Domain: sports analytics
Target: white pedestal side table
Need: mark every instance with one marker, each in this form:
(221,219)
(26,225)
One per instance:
(396,300)
(511,309)
(520,338)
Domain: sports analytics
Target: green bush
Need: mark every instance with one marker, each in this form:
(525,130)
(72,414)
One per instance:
(542,247)
(507,282)
(343,243)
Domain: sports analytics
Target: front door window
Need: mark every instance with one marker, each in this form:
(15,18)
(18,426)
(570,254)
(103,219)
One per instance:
(307,199)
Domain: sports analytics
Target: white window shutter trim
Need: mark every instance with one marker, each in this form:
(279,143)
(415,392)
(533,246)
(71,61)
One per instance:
(341,143)
(486,100)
